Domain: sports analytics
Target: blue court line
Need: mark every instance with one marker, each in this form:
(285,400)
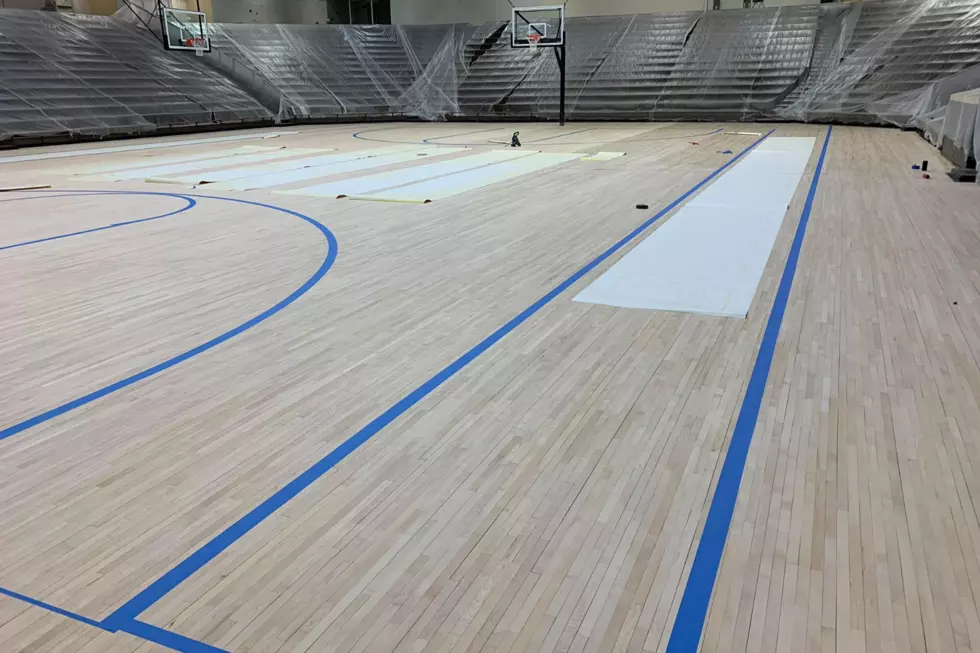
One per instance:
(136,628)
(211,549)
(50,608)
(328,260)
(476,131)
(549,138)
(167,638)
(685,635)
(644,140)
(190,204)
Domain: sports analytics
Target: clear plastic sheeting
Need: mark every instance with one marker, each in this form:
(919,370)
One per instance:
(353,70)
(78,75)
(958,135)
(891,62)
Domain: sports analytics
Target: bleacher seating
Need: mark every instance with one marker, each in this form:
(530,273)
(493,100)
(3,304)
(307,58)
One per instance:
(65,75)
(875,62)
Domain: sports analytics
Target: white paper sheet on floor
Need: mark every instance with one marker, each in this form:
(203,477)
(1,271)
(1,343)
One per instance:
(469,180)
(383,180)
(337,168)
(710,256)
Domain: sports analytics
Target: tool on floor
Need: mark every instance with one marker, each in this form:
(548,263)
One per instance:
(11,189)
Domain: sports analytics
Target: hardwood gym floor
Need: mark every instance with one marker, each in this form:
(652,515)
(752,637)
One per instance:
(550,494)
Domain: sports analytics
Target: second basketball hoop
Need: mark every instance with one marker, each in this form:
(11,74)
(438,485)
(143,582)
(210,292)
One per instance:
(542,27)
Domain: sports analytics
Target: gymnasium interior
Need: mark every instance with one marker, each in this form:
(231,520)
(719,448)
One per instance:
(490,326)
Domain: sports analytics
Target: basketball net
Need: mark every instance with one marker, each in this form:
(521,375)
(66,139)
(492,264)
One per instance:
(532,41)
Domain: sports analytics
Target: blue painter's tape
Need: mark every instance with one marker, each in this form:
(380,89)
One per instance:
(191,203)
(693,611)
(206,553)
(169,639)
(50,608)
(328,261)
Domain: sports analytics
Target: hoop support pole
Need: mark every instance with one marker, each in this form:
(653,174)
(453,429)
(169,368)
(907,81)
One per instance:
(560,56)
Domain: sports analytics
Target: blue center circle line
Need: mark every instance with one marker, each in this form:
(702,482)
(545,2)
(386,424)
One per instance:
(326,264)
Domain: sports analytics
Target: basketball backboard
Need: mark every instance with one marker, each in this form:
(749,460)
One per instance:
(533,27)
(185,30)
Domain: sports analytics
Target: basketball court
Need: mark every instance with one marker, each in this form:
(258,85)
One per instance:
(263,420)
(410,387)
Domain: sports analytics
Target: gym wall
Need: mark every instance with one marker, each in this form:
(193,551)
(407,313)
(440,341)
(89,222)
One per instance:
(270,11)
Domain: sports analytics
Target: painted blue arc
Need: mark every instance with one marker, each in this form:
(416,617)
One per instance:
(329,258)
(210,550)
(439,138)
(693,610)
(191,203)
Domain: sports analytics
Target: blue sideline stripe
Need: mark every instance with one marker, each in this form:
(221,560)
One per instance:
(136,628)
(167,638)
(210,344)
(190,204)
(206,553)
(693,611)
(50,608)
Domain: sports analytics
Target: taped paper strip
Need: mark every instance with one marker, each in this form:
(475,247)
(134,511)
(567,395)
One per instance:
(603,156)
(371,183)
(135,148)
(223,162)
(290,176)
(442,187)
(710,256)
(230,174)
(154,160)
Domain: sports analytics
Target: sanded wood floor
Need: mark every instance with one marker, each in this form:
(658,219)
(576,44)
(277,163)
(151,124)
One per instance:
(548,496)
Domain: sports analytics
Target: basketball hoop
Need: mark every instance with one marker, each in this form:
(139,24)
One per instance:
(197,44)
(533,40)
(185,30)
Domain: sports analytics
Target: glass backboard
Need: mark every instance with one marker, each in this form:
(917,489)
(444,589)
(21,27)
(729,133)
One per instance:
(186,30)
(533,27)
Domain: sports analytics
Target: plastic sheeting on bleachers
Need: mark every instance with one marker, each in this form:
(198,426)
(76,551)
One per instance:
(875,62)
(888,62)
(62,74)
(353,70)
(959,136)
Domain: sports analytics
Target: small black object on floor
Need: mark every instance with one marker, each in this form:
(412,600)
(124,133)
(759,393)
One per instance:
(963,174)
(515,141)
(642,206)
(925,166)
